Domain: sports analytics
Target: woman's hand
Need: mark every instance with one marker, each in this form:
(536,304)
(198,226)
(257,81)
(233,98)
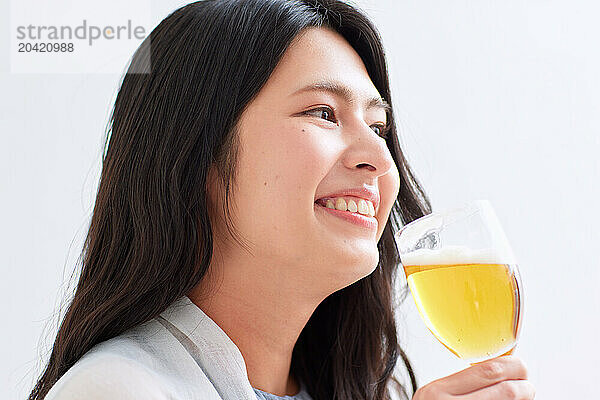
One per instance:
(501,378)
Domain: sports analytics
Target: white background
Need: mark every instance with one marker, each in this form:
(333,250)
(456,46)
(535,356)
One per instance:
(496,100)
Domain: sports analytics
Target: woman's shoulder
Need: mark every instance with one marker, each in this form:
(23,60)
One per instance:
(145,362)
(102,375)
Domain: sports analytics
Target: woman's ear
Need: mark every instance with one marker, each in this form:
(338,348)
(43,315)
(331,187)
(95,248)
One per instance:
(215,197)
(212,190)
(216,208)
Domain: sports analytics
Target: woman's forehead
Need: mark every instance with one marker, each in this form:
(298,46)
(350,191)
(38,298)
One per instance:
(318,54)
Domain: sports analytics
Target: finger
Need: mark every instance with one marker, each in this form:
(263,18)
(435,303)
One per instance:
(505,390)
(484,374)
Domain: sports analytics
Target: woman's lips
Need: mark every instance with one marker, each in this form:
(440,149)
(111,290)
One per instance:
(355,218)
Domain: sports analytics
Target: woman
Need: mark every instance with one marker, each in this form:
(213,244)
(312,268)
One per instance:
(215,267)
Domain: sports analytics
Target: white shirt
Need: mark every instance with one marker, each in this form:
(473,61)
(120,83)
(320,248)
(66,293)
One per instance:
(181,354)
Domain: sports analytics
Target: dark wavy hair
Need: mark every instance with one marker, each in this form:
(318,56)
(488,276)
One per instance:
(150,238)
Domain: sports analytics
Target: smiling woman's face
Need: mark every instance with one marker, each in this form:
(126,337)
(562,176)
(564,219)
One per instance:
(297,146)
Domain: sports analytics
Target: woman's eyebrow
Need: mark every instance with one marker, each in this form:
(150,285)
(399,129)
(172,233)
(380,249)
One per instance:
(344,92)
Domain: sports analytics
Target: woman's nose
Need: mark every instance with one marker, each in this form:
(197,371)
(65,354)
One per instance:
(368,150)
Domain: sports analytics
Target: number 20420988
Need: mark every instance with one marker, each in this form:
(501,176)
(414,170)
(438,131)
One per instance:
(45,47)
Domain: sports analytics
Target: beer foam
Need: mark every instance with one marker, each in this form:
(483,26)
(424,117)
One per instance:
(453,255)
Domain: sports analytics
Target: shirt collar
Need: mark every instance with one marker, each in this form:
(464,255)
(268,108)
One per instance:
(211,348)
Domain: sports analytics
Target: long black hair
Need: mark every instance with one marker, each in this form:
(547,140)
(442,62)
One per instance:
(150,238)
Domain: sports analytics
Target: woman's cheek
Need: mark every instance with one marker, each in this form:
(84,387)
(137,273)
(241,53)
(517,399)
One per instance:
(316,145)
(389,186)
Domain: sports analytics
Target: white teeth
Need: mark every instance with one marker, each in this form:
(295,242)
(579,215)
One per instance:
(352,207)
(371,208)
(364,207)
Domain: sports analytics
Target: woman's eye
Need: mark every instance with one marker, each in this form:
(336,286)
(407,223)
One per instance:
(382,129)
(322,110)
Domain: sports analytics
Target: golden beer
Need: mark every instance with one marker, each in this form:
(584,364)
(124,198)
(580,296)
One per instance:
(472,308)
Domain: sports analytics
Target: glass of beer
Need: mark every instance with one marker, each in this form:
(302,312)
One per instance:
(464,280)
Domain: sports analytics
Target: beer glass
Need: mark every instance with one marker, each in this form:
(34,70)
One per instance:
(464,280)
